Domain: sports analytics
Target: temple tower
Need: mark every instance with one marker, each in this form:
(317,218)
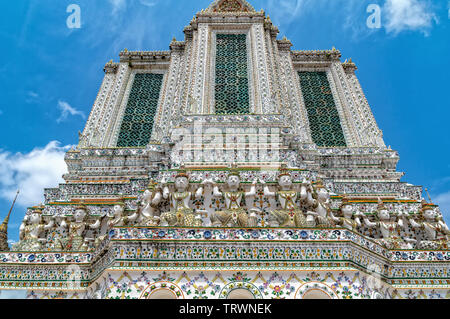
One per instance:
(231,166)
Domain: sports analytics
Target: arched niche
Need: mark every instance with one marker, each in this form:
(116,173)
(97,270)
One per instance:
(240,293)
(315,290)
(162,290)
(377,295)
(162,294)
(240,290)
(316,294)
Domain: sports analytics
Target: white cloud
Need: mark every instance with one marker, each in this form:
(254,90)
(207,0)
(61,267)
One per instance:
(344,14)
(32,97)
(283,12)
(149,3)
(67,110)
(117,5)
(397,15)
(443,200)
(31,173)
(13,294)
(33,94)
(403,15)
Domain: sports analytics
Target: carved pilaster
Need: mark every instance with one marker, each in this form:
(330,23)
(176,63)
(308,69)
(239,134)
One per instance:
(109,112)
(201,67)
(263,101)
(87,137)
(373,135)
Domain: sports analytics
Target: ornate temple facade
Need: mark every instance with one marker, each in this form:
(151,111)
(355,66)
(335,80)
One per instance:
(231,166)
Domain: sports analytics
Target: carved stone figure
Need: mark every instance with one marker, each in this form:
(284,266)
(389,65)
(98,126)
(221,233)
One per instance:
(349,220)
(117,218)
(58,232)
(290,214)
(434,229)
(234,215)
(306,194)
(390,230)
(321,215)
(31,230)
(181,214)
(76,230)
(149,212)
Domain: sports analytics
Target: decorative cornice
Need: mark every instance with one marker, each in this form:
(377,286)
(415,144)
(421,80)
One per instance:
(189,31)
(284,44)
(349,66)
(111,67)
(230,17)
(268,25)
(224,248)
(316,55)
(177,46)
(144,56)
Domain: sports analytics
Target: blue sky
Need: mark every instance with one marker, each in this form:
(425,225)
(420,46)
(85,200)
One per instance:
(50,76)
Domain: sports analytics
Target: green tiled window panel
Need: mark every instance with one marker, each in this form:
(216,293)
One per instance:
(137,122)
(231,88)
(324,120)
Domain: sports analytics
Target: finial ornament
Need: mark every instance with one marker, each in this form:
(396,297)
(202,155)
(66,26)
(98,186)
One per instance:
(230,6)
(428,194)
(4,228)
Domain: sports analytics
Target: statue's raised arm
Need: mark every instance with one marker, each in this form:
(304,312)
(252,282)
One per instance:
(267,191)
(252,191)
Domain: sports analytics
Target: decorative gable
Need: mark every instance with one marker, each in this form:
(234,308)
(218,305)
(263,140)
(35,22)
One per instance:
(230,6)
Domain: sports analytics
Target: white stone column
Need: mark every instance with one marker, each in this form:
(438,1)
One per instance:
(203,47)
(349,113)
(100,103)
(168,108)
(109,112)
(261,71)
(371,131)
(290,80)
